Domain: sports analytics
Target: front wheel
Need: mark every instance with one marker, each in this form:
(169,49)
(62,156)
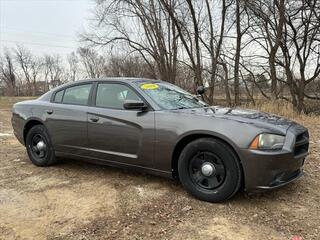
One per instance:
(209,170)
(39,147)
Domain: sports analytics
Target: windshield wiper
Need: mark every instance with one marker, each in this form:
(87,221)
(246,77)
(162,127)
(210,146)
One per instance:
(181,108)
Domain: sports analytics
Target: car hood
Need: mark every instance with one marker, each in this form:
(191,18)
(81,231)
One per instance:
(247,116)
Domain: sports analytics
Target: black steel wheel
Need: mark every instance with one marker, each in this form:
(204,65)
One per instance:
(39,147)
(209,170)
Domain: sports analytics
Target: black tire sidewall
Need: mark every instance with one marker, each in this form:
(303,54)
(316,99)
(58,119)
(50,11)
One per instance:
(232,166)
(50,156)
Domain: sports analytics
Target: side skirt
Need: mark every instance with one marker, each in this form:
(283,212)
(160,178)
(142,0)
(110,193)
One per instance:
(115,164)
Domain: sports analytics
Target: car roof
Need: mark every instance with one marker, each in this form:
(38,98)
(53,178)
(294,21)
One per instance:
(47,95)
(118,79)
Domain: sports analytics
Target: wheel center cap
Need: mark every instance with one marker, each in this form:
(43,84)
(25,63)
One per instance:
(41,145)
(208,169)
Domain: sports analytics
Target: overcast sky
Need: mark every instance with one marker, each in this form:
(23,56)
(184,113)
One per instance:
(44,26)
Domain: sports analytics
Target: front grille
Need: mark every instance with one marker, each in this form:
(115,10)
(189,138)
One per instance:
(302,144)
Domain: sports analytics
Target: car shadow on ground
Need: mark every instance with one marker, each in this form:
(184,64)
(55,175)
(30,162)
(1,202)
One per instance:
(136,178)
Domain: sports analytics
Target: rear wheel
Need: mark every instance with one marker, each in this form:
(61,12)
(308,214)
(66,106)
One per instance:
(39,147)
(209,170)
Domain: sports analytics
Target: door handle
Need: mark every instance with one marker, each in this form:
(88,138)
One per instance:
(49,111)
(94,119)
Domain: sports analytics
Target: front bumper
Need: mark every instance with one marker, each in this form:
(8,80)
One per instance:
(265,170)
(268,170)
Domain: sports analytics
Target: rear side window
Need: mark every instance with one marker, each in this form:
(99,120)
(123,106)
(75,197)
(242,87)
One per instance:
(78,95)
(58,96)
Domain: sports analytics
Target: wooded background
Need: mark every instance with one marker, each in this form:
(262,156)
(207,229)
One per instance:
(241,51)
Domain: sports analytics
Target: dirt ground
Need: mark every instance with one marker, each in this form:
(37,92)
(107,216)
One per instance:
(76,200)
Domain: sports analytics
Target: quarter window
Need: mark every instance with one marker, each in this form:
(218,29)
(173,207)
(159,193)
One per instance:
(111,95)
(78,95)
(58,96)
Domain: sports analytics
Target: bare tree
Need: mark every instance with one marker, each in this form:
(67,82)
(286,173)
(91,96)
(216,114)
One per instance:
(268,26)
(155,39)
(237,56)
(301,49)
(93,63)
(183,17)
(8,73)
(225,80)
(129,66)
(22,56)
(242,26)
(214,47)
(53,71)
(73,63)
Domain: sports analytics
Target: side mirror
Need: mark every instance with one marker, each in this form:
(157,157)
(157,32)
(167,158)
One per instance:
(200,90)
(134,105)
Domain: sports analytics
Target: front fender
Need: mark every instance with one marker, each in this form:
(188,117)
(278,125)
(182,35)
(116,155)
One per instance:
(200,132)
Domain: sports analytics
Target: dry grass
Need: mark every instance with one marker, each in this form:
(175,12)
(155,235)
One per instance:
(281,108)
(284,109)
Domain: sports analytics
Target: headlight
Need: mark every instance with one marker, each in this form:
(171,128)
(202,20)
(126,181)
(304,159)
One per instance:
(267,141)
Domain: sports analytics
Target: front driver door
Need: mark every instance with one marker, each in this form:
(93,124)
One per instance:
(116,134)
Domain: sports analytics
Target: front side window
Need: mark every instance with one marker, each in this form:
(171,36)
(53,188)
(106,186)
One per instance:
(78,95)
(110,95)
(169,96)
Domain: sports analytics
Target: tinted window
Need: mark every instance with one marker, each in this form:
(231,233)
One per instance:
(113,95)
(78,95)
(58,96)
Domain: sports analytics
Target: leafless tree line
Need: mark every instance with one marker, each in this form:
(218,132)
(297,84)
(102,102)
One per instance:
(22,73)
(235,48)
(25,74)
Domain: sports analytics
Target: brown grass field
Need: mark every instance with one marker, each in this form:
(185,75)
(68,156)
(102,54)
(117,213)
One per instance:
(76,200)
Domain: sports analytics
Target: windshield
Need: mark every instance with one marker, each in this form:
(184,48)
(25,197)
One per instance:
(169,96)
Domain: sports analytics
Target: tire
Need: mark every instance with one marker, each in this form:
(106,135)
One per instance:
(220,160)
(40,155)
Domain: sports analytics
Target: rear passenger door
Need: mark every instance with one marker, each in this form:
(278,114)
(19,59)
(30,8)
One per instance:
(67,119)
(116,134)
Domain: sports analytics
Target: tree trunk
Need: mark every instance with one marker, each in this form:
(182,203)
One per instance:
(300,108)
(34,88)
(273,74)
(226,84)
(198,74)
(237,57)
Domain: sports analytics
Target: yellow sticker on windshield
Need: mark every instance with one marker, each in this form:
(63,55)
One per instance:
(149,86)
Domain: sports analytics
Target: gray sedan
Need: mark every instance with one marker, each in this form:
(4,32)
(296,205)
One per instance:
(159,128)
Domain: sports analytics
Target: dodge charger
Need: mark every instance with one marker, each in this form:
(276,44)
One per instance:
(157,127)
